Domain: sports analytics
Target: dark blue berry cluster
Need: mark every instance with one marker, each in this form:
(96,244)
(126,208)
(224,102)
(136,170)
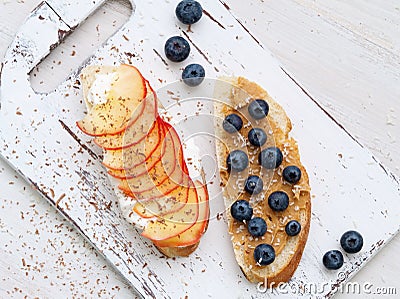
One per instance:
(177,49)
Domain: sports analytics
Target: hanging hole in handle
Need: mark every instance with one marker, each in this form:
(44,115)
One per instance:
(79,45)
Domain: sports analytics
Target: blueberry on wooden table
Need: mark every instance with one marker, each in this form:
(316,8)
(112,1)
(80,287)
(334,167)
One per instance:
(193,74)
(333,259)
(264,254)
(177,49)
(351,241)
(189,12)
(232,123)
(241,210)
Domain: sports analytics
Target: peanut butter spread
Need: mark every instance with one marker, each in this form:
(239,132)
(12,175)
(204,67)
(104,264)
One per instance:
(233,182)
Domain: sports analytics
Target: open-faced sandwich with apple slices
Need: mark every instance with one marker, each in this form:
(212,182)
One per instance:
(144,158)
(265,186)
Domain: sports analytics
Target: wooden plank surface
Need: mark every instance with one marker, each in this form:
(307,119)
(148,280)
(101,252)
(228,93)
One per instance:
(51,266)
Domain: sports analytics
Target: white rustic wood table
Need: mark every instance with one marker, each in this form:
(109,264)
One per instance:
(345,54)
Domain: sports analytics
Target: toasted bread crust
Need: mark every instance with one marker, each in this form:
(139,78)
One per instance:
(275,273)
(178,251)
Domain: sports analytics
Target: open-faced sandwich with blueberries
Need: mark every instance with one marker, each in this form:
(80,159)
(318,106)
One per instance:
(265,186)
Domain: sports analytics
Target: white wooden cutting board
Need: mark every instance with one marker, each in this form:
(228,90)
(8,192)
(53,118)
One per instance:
(39,138)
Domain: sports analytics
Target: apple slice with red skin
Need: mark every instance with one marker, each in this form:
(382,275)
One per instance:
(142,168)
(127,92)
(163,177)
(178,178)
(160,187)
(156,175)
(168,181)
(169,197)
(141,122)
(116,141)
(192,235)
(171,225)
(131,157)
(168,204)
(149,163)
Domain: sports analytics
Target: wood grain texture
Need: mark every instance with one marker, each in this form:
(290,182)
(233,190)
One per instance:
(357,77)
(346,55)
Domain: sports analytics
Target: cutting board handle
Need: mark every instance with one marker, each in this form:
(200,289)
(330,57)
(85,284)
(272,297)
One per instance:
(43,30)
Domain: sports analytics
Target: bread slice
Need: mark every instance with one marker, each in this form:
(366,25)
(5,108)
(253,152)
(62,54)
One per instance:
(233,96)
(178,251)
(87,78)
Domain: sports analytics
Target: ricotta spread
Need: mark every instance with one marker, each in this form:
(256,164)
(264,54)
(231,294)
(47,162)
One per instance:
(98,92)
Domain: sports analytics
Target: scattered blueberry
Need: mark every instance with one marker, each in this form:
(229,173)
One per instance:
(351,241)
(257,227)
(241,210)
(291,174)
(257,136)
(189,12)
(258,109)
(193,74)
(264,254)
(293,228)
(333,259)
(278,201)
(232,123)
(253,184)
(177,49)
(237,160)
(270,157)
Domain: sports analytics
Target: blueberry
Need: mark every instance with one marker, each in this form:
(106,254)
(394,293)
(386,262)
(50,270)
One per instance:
(257,136)
(351,241)
(258,109)
(189,12)
(264,254)
(253,184)
(278,201)
(291,174)
(177,49)
(257,227)
(237,160)
(270,157)
(333,259)
(232,123)
(193,74)
(293,228)
(241,210)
